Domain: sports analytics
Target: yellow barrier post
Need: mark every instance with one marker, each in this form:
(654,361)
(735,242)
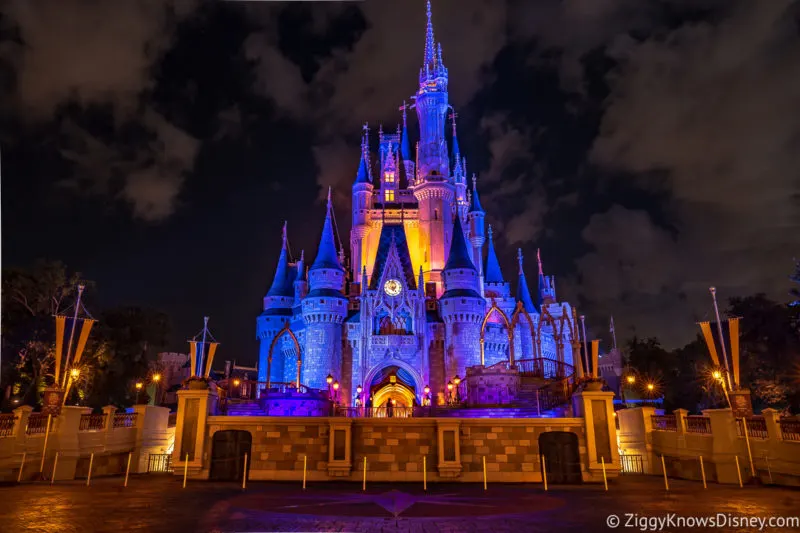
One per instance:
(425,473)
(769,470)
(749,450)
(185,470)
(484,472)
(128,469)
(605,479)
(55,465)
(703,472)
(364,483)
(244,473)
(91,462)
(544,473)
(664,469)
(21,467)
(305,466)
(738,470)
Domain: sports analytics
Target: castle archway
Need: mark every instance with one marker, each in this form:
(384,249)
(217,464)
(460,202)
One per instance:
(394,379)
(492,310)
(285,331)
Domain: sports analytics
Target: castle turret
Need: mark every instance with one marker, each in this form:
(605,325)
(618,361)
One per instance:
(493,276)
(547,285)
(475,217)
(324,310)
(362,203)
(405,146)
(461,307)
(277,310)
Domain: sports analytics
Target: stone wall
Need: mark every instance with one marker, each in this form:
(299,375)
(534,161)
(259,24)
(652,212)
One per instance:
(495,385)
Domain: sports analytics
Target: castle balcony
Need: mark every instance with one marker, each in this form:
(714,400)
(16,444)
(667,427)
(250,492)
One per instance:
(394,340)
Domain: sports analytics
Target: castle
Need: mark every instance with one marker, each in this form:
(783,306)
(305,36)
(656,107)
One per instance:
(416,304)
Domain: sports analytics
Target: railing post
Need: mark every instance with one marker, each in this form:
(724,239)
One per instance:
(680,420)
(771,420)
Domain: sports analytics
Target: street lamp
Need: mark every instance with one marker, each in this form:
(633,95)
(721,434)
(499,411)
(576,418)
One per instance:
(139,386)
(156,379)
(457,380)
(75,373)
(450,392)
(427,398)
(336,390)
(329,380)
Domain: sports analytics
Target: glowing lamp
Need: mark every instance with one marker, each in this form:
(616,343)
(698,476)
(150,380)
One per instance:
(236,382)
(139,385)
(329,379)
(156,377)
(650,387)
(74,373)
(456,380)
(335,385)
(717,374)
(631,379)
(449,385)
(359,389)
(427,389)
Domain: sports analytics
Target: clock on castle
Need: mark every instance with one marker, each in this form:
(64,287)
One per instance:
(418,297)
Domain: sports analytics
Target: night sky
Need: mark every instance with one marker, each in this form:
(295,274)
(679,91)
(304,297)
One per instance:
(649,148)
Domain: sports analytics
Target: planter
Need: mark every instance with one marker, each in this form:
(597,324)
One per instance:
(593,386)
(197,384)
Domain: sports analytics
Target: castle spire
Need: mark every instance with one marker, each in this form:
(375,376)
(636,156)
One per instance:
(282,282)
(326,254)
(456,152)
(493,273)
(523,293)
(363,167)
(475,202)
(459,253)
(539,260)
(405,143)
(430,46)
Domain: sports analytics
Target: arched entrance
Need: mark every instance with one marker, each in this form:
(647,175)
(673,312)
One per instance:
(561,455)
(227,454)
(392,383)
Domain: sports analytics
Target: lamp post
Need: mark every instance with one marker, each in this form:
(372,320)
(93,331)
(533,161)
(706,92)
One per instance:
(457,381)
(236,383)
(717,375)
(359,389)
(449,392)
(157,381)
(336,391)
(74,374)
(630,380)
(139,386)
(329,380)
(427,399)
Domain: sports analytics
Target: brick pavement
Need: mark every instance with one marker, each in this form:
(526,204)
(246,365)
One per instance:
(156,504)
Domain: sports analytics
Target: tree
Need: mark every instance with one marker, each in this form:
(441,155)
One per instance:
(30,299)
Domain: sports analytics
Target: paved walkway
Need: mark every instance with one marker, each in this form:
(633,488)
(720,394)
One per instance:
(158,503)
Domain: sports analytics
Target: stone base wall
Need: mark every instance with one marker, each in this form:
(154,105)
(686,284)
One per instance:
(494,385)
(395,449)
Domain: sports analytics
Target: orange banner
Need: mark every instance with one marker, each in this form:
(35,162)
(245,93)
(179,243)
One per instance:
(193,356)
(709,338)
(595,358)
(733,332)
(86,327)
(212,348)
(60,323)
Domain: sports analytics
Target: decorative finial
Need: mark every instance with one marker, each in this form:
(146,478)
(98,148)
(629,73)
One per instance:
(365,128)
(469,197)
(329,198)
(429,41)
(539,260)
(302,255)
(474,180)
(519,259)
(403,108)
(283,235)
(490,232)
(439,54)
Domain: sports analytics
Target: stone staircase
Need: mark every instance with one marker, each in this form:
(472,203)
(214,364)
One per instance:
(244,408)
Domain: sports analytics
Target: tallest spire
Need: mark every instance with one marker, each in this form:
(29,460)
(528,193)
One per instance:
(430,44)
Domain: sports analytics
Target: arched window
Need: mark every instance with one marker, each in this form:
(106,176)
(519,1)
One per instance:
(401,324)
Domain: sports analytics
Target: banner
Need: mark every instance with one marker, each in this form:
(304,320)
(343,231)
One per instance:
(192,356)
(60,323)
(595,358)
(212,348)
(86,327)
(733,335)
(709,338)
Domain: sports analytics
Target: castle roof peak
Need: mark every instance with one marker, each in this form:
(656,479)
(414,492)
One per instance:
(493,273)
(459,253)
(326,254)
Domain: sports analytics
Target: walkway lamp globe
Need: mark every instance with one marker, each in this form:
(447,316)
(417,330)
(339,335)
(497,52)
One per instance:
(236,382)
(329,379)
(427,389)
(156,377)
(359,389)
(450,386)
(631,380)
(335,385)
(650,387)
(456,380)
(336,390)
(717,375)
(75,373)
(139,386)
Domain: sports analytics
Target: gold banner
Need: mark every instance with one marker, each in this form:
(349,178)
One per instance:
(733,332)
(212,348)
(709,337)
(86,327)
(193,356)
(60,324)
(595,358)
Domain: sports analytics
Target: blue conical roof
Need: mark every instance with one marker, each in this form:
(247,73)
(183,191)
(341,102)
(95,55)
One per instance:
(282,284)
(326,253)
(475,202)
(523,293)
(363,172)
(493,274)
(405,143)
(459,253)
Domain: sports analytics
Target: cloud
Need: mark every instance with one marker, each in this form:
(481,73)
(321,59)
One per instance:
(101,55)
(711,107)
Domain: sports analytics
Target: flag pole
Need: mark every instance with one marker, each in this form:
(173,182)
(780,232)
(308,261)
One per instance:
(613,333)
(72,333)
(585,346)
(201,355)
(713,292)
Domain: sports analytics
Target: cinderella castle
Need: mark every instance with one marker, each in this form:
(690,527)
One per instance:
(420,298)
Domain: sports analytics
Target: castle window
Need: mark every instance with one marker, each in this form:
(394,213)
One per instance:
(389,177)
(399,325)
(388,196)
(435,214)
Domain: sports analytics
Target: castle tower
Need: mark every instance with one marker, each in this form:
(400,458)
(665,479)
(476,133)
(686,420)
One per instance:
(475,217)
(461,307)
(547,285)
(277,310)
(362,203)
(324,310)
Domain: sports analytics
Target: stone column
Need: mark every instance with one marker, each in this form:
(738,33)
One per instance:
(64,438)
(636,436)
(771,417)
(448,435)
(597,410)
(725,445)
(152,435)
(194,408)
(109,411)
